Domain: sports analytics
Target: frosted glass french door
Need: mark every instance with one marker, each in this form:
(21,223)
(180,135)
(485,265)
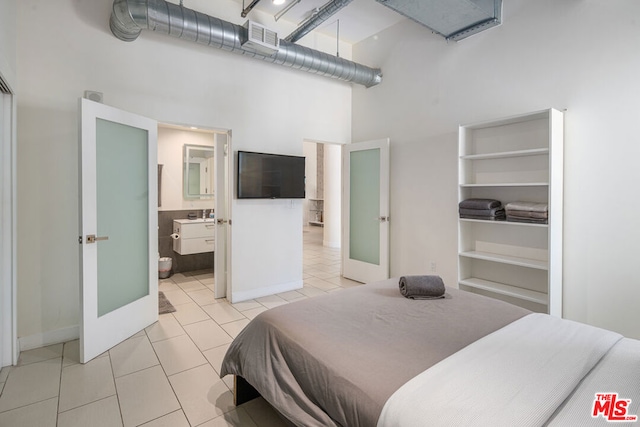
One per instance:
(365,251)
(119,235)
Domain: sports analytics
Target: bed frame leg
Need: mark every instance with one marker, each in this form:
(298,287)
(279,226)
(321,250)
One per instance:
(243,391)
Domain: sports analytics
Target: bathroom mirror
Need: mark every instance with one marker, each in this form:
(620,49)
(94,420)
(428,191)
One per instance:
(198,171)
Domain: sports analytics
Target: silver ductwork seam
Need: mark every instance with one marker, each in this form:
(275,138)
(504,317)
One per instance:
(325,12)
(130,17)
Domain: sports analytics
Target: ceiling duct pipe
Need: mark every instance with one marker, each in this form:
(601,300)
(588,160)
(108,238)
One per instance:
(324,13)
(130,17)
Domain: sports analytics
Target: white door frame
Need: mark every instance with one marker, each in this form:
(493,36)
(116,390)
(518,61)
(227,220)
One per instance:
(223,169)
(8,230)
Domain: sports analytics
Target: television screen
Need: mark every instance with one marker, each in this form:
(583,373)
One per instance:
(270,176)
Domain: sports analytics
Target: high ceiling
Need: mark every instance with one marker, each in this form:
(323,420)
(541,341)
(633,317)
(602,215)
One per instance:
(358,20)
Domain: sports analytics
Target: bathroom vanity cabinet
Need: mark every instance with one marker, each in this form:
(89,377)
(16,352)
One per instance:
(194,236)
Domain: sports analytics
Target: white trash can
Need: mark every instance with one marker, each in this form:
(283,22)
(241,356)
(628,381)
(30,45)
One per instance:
(164,267)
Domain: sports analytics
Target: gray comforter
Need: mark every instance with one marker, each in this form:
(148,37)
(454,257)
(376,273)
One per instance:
(336,359)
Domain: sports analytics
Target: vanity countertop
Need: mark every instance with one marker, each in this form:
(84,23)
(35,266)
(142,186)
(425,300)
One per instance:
(195,221)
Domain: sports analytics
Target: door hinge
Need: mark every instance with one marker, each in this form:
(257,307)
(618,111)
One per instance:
(80,240)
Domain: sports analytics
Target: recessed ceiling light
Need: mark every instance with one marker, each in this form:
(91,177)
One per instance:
(278,2)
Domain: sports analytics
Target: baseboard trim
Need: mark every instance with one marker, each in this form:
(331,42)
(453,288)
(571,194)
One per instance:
(44,339)
(266,291)
(328,244)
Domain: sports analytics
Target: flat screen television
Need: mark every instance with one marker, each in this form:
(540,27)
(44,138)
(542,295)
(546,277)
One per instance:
(270,176)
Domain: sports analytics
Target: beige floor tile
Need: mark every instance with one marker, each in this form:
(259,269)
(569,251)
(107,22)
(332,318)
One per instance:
(291,295)
(40,354)
(174,419)
(202,296)
(4,373)
(343,281)
(338,289)
(215,356)
(251,314)
(82,384)
(166,327)
(207,334)
(177,297)
(262,413)
(236,418)
(31,383)
(144,396)
(205,278)
(71,354)
(103,413)
(246,305)
(223,313)
(41,414)
(208,282)
(311,291)
(180,277)
(202,394)
(193,285)
(190,313)
(271,301)
(320,284)
(132,355)
(165,286)
(234,328)
(178,354)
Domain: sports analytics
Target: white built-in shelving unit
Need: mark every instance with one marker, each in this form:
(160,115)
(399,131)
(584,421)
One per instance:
(517,158)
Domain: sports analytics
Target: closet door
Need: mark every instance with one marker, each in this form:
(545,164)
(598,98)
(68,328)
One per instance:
(365,204)
(119,226)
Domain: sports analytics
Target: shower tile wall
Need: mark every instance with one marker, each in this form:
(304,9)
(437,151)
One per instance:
(181,263)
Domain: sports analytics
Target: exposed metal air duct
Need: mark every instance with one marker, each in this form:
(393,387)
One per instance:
(130,17)
(325,12)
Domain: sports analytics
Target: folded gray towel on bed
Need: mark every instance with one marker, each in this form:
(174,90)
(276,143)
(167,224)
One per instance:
(480,204)
(422,287)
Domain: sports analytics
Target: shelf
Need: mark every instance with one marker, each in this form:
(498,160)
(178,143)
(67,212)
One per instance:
(320,223)
(507,154)
(317,200)
(507,184)
(516,223)
(507,259)
(502,289)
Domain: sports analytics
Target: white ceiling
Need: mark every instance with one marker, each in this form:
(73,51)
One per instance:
(358,20)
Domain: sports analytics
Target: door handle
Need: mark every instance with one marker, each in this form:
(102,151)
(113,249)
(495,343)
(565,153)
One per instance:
(91,238)
(383,218)
(221,221)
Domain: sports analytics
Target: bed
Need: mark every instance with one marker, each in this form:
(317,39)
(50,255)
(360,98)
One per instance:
(367,356)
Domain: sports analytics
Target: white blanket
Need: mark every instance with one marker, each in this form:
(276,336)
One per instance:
(516,376)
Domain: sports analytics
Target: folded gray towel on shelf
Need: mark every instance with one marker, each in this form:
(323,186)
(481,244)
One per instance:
(484,218)
(527,206)
(422,287)
(512,218)
(482,212)
(525,214)
(480,204)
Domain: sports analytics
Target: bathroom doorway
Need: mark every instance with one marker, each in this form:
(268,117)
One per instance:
(193,204)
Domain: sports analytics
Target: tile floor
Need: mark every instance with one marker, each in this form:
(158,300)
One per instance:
(166,375)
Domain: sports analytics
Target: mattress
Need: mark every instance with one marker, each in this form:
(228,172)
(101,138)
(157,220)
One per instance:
(336,359)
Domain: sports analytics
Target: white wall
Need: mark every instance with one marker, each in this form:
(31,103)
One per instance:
(332,232)
(170,154)
(64,48)
(578,55)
